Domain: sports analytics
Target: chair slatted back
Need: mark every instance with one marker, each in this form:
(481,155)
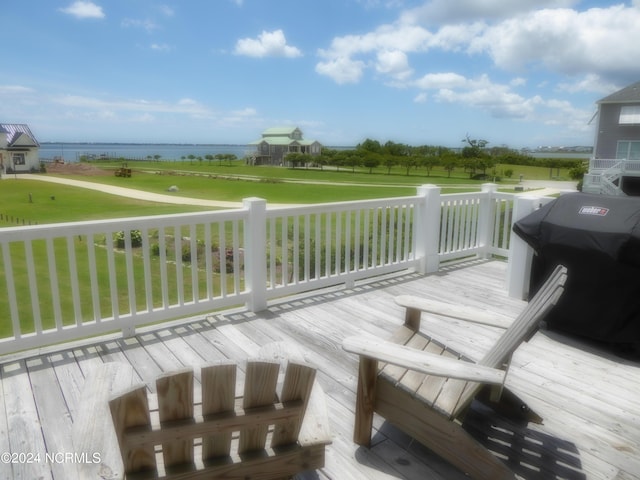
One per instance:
(259,415)
(521,330)
(526,324)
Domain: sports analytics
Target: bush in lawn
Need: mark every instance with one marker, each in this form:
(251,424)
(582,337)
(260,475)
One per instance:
(136,238)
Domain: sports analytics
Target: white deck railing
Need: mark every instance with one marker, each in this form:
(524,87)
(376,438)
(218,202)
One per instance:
(69,281)
(604,175)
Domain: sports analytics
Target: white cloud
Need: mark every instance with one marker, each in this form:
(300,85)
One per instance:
(166,10)
(500,100)
(394,63)
(438,11)
(589,83)
(599,40)
(268,44)
(84,10)
(183,106)
(147,25)
(14,89)
(160,47)
(390,43)
(438,81)
(245,112)
(422,97)
(341,69)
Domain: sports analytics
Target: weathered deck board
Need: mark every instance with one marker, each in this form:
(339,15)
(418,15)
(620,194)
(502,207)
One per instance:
(587,397)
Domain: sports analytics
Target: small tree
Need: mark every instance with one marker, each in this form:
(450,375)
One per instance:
(389,161)
(371,161)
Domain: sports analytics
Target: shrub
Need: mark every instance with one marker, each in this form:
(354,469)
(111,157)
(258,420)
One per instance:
(136,238)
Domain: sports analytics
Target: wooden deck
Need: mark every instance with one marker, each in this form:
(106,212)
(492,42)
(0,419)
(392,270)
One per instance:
(589,399)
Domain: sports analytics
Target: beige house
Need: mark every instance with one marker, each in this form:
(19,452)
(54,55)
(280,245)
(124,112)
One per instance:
(19,150)
(277,142)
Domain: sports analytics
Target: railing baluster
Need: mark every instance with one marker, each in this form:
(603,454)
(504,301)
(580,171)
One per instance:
(236,258)
(222,254)
(146,265)
(338,243)
(33,287)
(357,242)
(164,276)
(131,284)
(272,252)
(307,246)
(11,290)
(193,259)
(208,261)
(366,234)
(285,250)
(111,267)
(392,234)
(374,247)
(318,246)
(327,243)
(93,279)
(347,241)
(295,249)
(53,283)
(177,250)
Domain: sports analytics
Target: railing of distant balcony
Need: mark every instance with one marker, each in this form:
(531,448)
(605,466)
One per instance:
(603,170)
(69,281)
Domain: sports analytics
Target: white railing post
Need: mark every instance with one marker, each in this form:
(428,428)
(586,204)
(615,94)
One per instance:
(428,229)
(520,254)
(486,219)
(255,254)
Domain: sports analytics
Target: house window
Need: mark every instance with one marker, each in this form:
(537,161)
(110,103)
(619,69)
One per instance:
(630,115)
(628,150)
(18,159)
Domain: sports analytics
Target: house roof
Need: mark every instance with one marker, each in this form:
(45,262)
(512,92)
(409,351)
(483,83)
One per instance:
(630,94)
(18,133)
(282,136)
(279,131)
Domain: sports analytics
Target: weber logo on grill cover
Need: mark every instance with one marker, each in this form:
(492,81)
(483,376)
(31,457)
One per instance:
(597,211)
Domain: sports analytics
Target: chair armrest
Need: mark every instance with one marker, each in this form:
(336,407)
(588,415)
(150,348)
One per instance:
(460,312)
(423,362)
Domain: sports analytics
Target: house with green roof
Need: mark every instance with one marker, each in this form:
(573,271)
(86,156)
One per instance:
(19,149)
(276,143)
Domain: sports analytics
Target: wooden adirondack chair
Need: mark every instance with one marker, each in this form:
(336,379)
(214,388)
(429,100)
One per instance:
(255,436)
(424,388)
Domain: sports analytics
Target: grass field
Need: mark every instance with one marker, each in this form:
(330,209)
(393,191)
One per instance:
(27,201)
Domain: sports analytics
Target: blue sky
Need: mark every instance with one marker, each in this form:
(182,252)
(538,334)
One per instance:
(521,73)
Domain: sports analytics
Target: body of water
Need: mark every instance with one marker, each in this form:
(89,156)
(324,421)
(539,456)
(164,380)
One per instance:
(72,152)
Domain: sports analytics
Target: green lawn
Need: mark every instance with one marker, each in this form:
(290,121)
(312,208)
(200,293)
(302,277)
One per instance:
(34,201)
(56,203)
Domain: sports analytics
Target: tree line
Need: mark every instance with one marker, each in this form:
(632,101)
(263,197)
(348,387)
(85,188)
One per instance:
(474,158)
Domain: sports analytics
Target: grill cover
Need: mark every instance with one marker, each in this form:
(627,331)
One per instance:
(597,238)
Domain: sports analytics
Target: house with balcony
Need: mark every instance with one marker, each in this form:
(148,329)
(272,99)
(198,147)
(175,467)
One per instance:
(276,143)
(615,166)
(18,149)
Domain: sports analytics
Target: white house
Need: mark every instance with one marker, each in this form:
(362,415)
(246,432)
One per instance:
(277,142)
(19,149)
